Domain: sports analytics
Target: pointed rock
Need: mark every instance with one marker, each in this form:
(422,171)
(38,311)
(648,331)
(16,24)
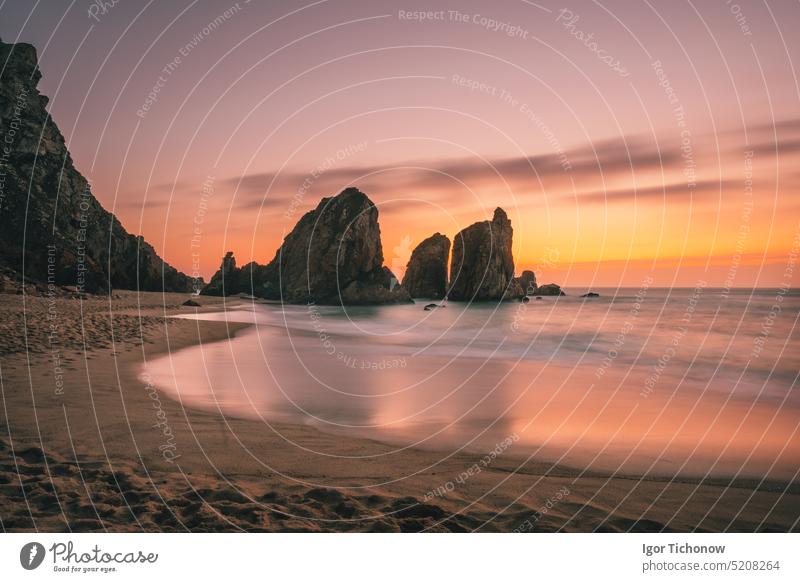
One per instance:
(482,267)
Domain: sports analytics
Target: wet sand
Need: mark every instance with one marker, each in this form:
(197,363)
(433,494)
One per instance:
(87,446)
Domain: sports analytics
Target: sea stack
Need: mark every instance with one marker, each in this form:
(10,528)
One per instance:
(226,279)
(482,267)
(333,256)
(528,282)
(426,273)
(51,222)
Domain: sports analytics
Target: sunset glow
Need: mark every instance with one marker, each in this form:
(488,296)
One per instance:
(667,163)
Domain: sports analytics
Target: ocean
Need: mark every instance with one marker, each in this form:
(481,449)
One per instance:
(642,381)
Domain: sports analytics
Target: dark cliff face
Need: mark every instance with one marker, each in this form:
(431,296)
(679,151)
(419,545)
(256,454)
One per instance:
(332,256)
(426,273)
(482,267)
(49,219)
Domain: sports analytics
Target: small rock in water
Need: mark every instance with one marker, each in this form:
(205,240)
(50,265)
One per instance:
(591,294)
(551,289)
(432,306)
(538,299)
(191,303)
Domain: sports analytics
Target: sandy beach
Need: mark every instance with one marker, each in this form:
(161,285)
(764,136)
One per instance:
(85,445)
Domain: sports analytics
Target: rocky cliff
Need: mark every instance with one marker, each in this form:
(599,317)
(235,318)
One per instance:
(52,229)
(426,273)
(482,266)
(332,256)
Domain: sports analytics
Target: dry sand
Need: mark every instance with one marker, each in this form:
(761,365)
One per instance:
(86,446)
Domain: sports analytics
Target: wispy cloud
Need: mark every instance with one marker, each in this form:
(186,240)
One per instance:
(667,192)
(606,171)
(447,180)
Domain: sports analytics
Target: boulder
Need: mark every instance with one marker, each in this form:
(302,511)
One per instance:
(551,289)
(591,294)
(191,303)
(432,306)
(426,272)
(523,286)
(528,282)
(482,267)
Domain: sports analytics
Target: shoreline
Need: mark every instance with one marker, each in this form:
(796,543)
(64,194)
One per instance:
(89,459)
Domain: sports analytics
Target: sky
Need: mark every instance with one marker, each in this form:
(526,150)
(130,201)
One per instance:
(625,141)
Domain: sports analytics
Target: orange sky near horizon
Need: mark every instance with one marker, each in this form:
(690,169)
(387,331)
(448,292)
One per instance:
(731,231)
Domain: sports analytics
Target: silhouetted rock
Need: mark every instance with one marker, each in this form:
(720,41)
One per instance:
(590,294)
(191,303)
(49,218)
(551,289)
(426,273)
(432,306)
(332,256)
(224,280)
(482,267)
(528,282)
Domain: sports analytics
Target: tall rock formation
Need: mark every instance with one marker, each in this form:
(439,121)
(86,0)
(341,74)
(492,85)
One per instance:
(226,281)
(482,267)
(332,256)
(426,273)
(49,220)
